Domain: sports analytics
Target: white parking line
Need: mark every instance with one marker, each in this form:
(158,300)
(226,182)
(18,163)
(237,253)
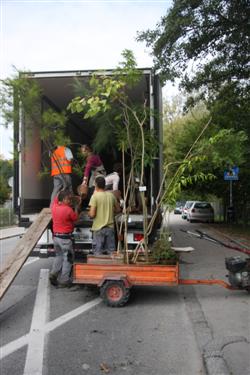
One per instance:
(71,315)
(34,357)
(14,345)
(31,260)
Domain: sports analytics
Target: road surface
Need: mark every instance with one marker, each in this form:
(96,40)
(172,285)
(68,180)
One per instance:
(162,330)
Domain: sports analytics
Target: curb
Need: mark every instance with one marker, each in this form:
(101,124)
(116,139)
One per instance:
(229,238)
(213,356)
(9,232)
(11,236)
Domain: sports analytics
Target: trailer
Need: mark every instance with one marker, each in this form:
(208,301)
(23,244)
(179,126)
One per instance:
(116,280)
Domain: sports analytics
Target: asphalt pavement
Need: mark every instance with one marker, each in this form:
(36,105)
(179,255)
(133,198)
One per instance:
(220,317)
(159,330)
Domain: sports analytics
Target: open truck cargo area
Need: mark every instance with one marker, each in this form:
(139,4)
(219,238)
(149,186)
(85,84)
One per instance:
(32,193)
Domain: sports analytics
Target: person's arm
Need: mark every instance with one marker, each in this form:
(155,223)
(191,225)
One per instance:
(68,154)
(55,202)
(73,215)
(117,207)
(92,210)
(78,205)
(87,169)
(116,180)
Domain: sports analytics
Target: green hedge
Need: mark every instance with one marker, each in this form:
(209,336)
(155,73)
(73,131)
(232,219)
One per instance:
(7,217)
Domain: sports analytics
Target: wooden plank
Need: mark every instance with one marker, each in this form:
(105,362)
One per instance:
(22,250)
(186,249)
(105,259)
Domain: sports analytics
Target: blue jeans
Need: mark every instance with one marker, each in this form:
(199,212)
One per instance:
(103,241)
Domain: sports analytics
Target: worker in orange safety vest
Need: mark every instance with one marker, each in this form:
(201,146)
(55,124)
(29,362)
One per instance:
(61,169)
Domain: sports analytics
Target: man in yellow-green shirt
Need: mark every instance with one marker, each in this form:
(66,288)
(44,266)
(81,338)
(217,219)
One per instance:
(103,205)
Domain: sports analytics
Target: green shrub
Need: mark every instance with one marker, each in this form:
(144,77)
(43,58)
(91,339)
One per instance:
(7,217)
(161,251)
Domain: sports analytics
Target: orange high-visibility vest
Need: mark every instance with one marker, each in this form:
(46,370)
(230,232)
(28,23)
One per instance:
(59,163)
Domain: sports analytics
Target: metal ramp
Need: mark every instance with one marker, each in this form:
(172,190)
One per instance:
(23,249)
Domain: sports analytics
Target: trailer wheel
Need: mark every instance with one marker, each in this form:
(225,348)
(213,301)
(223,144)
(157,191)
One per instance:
(114,293)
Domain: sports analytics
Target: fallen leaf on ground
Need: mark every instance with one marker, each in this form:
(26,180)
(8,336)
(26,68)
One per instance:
(104,367)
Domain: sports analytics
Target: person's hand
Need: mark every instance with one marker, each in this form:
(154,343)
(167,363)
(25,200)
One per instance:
(84,181)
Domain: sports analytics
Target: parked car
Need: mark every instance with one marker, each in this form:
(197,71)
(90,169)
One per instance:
(185,209)
(200,211)
(179,207)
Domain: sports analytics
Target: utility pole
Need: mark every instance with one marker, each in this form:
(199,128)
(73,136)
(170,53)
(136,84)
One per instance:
(230,193)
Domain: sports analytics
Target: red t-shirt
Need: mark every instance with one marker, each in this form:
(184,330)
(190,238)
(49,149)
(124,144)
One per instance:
(63,216)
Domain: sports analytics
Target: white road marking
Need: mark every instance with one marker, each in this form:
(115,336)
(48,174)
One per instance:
(31,260)
(71,315)
(34,357)
(14,345)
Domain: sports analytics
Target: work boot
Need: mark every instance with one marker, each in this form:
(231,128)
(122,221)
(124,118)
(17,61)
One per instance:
(53,279)
(67,284)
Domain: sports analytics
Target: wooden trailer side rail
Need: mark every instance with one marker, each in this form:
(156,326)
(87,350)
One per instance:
(23,249)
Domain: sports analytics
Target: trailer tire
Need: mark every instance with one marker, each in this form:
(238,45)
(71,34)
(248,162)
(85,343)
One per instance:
(114,293)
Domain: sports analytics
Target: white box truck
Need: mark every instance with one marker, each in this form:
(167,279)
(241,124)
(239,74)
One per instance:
(31,193)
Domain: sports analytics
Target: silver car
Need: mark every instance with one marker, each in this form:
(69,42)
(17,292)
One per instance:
(201,211)
(185,209)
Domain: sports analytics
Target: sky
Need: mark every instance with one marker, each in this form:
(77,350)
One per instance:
(44,35)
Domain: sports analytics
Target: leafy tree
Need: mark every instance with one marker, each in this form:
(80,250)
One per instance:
(6,171)
(109,97)
(20,91)
(206,43)
(4,190)
(217,146)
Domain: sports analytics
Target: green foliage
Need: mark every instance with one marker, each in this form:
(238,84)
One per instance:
(127,71)
(202,172)
(104,91)
(6,168)
(213,35)
(227,146)
(4,190)
(161,252)
(7,217)
(189,174)
(23,92)
(6,171)
(108,102)
(16,90)
(79,164)
(53,127)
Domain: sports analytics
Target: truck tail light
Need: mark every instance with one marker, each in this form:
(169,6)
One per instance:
(138,236)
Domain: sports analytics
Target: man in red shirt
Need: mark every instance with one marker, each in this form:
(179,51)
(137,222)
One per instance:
(64,218)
